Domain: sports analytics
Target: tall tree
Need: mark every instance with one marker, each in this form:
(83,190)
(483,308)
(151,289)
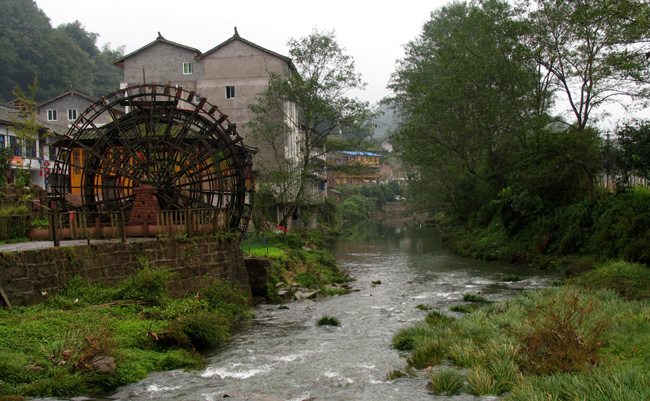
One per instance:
(469,99)
(319,87)
(595,49)
(23,37)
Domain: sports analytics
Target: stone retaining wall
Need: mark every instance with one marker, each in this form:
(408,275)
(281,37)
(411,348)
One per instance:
(28,276)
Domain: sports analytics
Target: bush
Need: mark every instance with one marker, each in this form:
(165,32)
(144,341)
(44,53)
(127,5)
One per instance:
(204,330)
(622,227)
(146,285)
(562,336)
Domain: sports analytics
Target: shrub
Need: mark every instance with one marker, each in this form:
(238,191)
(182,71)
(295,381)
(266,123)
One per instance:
(229,300)
(204,330)
(561,336)
(147,285)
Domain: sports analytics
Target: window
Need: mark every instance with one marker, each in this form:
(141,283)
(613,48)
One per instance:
(230,92)
(51,115)
(30,150)
(72,114)
(2,141)
(187,68)
(13,144)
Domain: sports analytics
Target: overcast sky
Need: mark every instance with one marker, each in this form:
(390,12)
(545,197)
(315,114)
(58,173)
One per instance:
(373,32)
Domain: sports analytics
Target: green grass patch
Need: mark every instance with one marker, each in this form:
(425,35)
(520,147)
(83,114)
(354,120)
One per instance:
(630,280)
(464,308)
(474,298)
(565,343)
(296,261)
(49,349)
(510,278)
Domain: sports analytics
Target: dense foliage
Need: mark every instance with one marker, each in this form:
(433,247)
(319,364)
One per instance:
(64,57)
(361,201)
(476,92)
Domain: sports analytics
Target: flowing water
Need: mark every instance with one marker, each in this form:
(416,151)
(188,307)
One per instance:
(283,354)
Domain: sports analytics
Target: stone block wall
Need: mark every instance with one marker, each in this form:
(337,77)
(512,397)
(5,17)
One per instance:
(28,276)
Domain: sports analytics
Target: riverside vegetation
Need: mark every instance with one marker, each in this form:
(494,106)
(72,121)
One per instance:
(584,338)
(91,337)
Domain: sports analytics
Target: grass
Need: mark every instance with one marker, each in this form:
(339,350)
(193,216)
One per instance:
(510,278)
(294,263)
(328,321)
(567,342)
(473,298)
(446,381)
(464,308)
(47,350)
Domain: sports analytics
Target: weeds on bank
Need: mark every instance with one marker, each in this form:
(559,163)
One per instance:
(52,349)
(564,343)
(446,381)
(297,261)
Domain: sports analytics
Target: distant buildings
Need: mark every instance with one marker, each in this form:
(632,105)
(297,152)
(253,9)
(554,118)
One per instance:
(55,117)
(350,167)
(34,158)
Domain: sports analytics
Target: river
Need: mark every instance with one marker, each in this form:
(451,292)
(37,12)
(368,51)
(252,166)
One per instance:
(283,354)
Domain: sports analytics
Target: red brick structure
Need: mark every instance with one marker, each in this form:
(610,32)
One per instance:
(145,205)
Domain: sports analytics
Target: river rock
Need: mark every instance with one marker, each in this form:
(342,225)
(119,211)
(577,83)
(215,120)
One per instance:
(254,396)
(306,295)
(104,364)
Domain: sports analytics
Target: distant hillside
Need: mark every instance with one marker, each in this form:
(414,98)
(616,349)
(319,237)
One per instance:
(64,58)
(384,123)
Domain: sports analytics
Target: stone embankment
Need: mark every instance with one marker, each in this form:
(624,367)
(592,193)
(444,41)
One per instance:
(27,277)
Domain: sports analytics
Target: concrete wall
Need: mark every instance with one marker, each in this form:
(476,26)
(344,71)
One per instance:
(26,275)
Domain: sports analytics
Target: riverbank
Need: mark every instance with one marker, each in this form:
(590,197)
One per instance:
(584,338)
(90,338)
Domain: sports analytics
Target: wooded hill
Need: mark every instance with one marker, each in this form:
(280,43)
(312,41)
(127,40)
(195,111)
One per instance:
(64,58)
